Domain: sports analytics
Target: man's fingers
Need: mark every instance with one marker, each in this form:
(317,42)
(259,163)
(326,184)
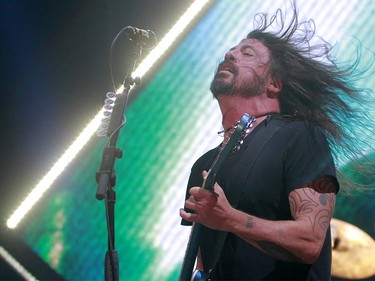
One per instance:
(188,216)
(204,174)
(191,204)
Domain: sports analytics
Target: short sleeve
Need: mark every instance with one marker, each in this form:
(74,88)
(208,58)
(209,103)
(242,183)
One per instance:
(308,159)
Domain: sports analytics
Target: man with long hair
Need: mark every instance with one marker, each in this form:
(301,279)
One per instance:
(275,220)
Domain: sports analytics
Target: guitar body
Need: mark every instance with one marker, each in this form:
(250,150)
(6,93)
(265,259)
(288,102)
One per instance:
(232,145)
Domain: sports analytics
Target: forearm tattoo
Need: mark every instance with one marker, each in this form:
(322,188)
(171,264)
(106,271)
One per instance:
(250,222)
(271,248)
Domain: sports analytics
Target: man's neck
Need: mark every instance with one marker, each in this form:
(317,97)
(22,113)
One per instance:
(234,107)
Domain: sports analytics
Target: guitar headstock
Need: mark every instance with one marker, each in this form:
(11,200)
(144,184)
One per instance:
(237,133)
(232,143)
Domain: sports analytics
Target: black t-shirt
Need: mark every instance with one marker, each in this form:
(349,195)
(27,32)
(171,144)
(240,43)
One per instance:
(296,155)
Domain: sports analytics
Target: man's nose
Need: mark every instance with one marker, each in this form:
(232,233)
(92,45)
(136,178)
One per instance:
(230,56)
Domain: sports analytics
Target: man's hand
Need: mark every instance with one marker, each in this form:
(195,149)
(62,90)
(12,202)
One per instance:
(210,208)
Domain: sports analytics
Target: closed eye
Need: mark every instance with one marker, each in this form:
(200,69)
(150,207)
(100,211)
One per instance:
(248,51)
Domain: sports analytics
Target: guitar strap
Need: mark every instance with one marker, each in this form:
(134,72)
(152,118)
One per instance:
(212,241)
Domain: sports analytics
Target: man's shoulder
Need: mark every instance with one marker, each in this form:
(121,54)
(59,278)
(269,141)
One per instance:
(299,127)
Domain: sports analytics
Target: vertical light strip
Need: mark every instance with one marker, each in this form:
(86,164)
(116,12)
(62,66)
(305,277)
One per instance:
(38,191)
(16,265)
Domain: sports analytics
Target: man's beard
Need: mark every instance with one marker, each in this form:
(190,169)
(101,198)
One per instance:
(219,86)
(231,86)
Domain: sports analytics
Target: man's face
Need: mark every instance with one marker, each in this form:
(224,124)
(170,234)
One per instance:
(244,70)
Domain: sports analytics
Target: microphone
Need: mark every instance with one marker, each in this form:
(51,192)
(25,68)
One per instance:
(144,38)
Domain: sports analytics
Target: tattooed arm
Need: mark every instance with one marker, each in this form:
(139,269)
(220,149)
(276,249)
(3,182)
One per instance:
(297,240)
(300,240)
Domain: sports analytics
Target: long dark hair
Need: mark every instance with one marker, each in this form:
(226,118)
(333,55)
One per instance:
(315,87)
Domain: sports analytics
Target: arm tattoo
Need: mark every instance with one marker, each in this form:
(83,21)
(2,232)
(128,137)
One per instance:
(271,248)
(304,203)
(250,222)
(316,202)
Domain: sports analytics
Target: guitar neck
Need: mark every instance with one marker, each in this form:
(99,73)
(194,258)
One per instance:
(208,183)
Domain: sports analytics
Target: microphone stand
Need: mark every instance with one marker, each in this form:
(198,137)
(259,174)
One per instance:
(106,176)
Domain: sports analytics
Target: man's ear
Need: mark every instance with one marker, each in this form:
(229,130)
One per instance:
(274,87)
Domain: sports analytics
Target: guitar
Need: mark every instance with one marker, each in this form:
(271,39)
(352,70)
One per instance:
(232,144)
